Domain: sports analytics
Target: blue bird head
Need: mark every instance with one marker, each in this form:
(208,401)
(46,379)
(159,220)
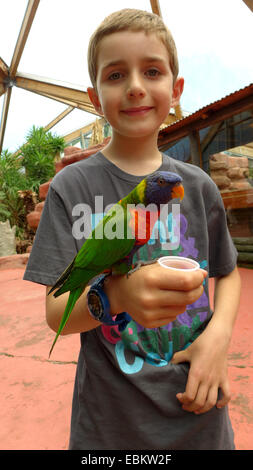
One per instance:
(162,186)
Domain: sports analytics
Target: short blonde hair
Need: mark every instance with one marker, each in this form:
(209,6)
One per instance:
(131,20)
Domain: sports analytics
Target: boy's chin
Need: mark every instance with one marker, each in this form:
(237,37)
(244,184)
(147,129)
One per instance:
(137,132)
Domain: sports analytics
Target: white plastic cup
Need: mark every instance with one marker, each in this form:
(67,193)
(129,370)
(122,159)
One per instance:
(178,263)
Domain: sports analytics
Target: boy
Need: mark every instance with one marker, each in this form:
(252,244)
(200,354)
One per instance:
(155,384)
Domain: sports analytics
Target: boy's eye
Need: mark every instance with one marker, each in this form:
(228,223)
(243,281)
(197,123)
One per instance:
(152,73)
(115,76)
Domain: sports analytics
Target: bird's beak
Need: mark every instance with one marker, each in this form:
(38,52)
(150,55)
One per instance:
(178,192)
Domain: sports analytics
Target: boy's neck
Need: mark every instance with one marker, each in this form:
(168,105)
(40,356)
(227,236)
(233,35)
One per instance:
(135,156)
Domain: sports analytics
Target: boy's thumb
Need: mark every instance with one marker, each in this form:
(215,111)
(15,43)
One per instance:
(180,356)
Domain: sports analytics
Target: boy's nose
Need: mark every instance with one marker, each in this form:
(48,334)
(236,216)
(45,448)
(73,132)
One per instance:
(135,88)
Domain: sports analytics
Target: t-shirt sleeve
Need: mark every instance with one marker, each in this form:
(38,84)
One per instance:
(222,252)
(54,246)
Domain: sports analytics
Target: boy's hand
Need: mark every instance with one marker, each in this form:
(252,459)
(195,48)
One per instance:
(154,296)
(208,371)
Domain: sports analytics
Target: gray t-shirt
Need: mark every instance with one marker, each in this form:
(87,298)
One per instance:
(125,387)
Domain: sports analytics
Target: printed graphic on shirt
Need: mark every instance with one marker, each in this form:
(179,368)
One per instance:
(136,344)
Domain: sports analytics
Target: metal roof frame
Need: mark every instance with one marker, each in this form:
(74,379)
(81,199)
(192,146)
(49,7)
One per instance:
(66,93)
(74,97)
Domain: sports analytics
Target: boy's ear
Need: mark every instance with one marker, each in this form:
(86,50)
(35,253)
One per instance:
(95,100)
(177,91)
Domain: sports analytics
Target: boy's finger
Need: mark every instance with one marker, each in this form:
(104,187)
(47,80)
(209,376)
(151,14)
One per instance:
(199,400)
(180,280)
(226,396)
(168,298)
(187,397)
(180,356)
(210,402)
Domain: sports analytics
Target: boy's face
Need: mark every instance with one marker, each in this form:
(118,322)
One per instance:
(134,83)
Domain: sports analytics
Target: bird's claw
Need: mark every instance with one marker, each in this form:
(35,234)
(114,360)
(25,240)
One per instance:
(139,264)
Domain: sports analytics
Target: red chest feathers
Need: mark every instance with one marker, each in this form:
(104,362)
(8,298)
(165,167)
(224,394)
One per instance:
(142,223)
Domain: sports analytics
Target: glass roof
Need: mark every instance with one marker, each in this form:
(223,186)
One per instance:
(213,39)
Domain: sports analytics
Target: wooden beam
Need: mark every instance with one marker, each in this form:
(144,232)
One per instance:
(86,108)
(59,118)
(212,132)
(4,73)
(4,117)
(2,88)
(52,87)
(23,35)
(196,154)
(155,5)
(83,130)
(59,91)
(60,100)
(249,4)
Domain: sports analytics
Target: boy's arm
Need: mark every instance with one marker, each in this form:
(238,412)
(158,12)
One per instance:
(208,353)
(80,319)
(154,296)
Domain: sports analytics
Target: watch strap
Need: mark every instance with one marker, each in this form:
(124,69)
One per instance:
(121,319)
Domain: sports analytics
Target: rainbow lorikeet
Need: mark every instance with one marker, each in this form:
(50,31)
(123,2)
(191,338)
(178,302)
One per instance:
(133,217)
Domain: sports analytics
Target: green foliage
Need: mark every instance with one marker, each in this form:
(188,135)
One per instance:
(12,179)
(38,155)
(11,173)
(26,170)
(251,172)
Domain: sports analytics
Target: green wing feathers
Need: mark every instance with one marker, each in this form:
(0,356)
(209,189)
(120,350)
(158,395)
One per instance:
(96,254)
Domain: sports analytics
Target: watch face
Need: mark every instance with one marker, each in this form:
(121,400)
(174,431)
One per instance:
(95,305)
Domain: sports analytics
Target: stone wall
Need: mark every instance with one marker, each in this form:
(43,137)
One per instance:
(231,176)
(7,239)
(229,173)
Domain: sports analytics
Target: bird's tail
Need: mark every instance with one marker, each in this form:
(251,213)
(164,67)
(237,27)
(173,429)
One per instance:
(73,297)
(60,281)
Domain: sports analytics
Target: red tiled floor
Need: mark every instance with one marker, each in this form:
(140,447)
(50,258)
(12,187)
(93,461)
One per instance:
(36,393)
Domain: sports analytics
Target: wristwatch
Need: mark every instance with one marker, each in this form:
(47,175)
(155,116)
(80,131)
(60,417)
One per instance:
(99,306)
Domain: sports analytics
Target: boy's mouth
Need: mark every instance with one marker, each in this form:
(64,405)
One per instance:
(137,111)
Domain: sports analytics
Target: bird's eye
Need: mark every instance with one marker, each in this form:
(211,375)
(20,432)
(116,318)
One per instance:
(161,182)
